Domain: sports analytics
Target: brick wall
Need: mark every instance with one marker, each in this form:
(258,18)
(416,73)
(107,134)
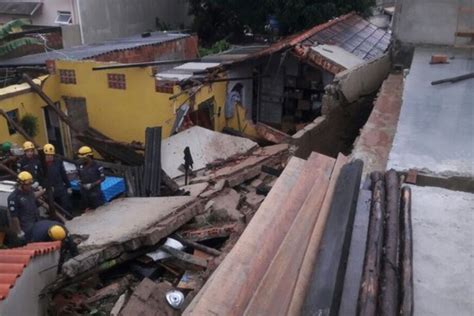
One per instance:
(184,48)
(54,40)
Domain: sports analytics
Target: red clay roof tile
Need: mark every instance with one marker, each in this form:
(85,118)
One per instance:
(13,261)
(8,278)
(11,268)
(4,289)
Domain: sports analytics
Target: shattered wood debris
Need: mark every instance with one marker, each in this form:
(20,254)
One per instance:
(116,238)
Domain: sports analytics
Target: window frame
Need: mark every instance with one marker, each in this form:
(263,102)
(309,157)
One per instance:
(16,118)
(62,14)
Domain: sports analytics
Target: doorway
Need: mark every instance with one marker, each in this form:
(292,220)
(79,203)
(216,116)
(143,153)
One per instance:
(53,129)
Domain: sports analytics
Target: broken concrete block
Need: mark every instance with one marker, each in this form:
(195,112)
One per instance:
(149,298)
(229,200)
(254,200)
(255,183)
(225,215)
(439,59)
(195,189)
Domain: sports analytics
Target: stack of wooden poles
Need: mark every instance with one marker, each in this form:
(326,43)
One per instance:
(297,243)
(387,282)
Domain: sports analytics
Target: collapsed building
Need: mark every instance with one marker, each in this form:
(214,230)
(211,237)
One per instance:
(272,218)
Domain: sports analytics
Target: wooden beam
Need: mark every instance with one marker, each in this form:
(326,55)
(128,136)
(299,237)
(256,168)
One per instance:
(389,277)
(369,290)
(189,262)
(307,266)
(406,255)
(326,285)
(18,128)
(195,245)
(234,283)
(50,103)
(274,294)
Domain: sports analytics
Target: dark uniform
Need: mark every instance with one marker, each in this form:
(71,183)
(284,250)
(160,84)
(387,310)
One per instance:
(94,197)
(40,229)
(59,183)
(33,166)
(22,205)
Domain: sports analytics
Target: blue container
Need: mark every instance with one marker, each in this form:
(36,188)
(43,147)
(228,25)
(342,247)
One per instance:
(111,187)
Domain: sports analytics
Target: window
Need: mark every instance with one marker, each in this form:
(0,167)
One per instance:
(64,17)
(164,86)
(116,81)
(13,115)
(67,76)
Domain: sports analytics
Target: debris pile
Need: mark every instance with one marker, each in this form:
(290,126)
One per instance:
(134,251)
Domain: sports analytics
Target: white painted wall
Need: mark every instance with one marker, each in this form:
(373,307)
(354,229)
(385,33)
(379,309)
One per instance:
(108,19)
(48,12)
(429,21)
(23,298)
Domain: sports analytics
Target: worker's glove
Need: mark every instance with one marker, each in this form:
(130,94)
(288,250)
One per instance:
(69,191)
(87,186)
(21,235)
(35,185)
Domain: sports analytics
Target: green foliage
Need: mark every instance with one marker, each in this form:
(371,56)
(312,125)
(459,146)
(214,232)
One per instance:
(225,19)
(29,122)
(10,46)
(12,27)
(218,47)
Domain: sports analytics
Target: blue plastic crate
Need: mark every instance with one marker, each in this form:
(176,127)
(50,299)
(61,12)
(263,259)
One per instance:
(111,187)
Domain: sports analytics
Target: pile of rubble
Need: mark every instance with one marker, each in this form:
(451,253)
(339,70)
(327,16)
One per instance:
(136,250)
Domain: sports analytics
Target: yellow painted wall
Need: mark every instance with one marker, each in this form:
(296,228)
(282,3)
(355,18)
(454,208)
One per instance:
(20,97)
(120,114)
(124,114)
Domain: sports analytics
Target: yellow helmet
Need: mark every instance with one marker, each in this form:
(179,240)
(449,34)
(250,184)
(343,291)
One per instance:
(25,177)
(49,149)
(57,232)
(28,145)
(84,151)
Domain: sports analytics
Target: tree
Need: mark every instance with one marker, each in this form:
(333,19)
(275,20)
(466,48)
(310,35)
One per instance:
(10,28)
(215,20)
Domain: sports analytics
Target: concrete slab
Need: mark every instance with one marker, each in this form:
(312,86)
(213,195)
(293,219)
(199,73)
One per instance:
(206,147)
(435,131)
(443,251)
(123,219)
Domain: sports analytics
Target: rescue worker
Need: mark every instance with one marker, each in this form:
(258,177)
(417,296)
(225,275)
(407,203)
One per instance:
(57,178)
(91,175)
(47,230)
(22,206)
(31,163)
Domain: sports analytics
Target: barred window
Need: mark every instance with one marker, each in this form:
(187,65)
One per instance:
(67,76)
(116,81)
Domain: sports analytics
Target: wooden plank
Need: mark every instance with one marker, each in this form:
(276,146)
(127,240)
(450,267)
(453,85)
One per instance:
(188,262)
(406,254)
(389,298)
(355,262)
(304,276)
(324,294)
(273,296)
(369,289)
(233,283)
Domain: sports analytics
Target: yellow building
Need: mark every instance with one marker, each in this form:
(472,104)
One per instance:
(119,103)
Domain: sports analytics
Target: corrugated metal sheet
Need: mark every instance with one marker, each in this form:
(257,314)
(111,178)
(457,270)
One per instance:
(19,8)
(93,50)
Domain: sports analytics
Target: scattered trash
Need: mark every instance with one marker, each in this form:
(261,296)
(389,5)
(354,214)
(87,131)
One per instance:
(175,299)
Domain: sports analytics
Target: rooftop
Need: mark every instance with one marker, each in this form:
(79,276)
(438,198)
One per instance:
(14,261)
(353,34)
(90,51)
(435,131)
(19,8)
